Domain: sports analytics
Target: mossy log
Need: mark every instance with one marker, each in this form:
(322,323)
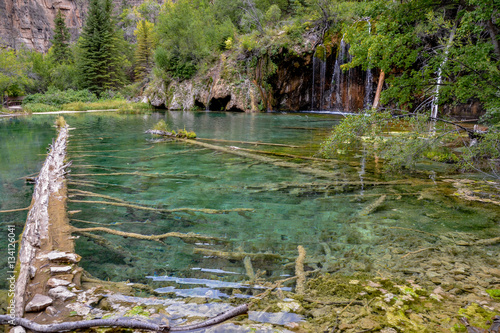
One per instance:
(236,255)
(14,210)
(180,175)
(263,159)
(299,271)
(174,210)
(373,206)
(188,236)
(281,154)
(255,143)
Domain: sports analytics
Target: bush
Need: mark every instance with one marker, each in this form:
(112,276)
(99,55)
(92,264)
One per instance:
(57,97)
(40,107)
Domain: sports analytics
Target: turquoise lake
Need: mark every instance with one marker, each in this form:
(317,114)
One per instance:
(350,215)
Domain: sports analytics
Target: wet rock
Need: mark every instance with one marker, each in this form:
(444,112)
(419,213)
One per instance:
(292,326)
(368,324)
(51,311)
(388,330)
(60,269)
(80,309)
(55,282)
(38,303)
(459,277)
(58,256)
(61,293)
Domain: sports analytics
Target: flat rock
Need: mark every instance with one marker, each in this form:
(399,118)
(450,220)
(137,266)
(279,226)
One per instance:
(61,293)
(60,269)
(58,256)
(55,282)
(38,303)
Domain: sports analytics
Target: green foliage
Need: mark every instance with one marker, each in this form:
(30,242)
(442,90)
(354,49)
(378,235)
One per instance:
(144,49)
(60,42)
(485,154)
(353,131)
(40,107)
(100,60)
(57,97)
(494,293)
(417,42)
(405,142)
(273,14)
(189,35)
(161,126)
(13,72)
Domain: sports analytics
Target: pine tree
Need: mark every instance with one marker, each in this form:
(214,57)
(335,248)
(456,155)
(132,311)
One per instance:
(100,60)
(144,49)
(60,42)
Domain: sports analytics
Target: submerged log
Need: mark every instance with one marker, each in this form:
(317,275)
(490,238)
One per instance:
(236,255)
(302,168)
(188,236)
(174,210)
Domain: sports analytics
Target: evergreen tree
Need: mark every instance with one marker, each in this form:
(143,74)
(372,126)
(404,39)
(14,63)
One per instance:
(60,43)
(144,49)
(100,61)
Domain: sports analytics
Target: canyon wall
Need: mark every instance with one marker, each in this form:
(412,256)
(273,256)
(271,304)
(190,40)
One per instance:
(30,23)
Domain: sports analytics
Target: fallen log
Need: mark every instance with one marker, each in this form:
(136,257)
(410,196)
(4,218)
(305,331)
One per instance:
(235,255)
(256,143)
(46,227)
(14,210)
(174,210)
(120,322)
(146,237)
(279,163)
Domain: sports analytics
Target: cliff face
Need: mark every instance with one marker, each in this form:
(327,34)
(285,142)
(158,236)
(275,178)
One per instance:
(30,23)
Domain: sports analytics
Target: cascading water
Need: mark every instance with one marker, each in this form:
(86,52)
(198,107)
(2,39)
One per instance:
(320,63)
(322,81)
(338,77)
(312,85)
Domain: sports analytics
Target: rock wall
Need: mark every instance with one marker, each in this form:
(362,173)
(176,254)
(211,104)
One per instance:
(30,23)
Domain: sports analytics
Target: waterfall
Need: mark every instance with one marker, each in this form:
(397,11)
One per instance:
(338,76)
(322,79)
(207,108)
(312,85)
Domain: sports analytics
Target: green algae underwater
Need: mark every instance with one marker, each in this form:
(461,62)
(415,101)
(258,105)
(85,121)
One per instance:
(386,250)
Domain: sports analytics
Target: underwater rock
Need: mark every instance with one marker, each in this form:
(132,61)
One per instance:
(51,311)
(61,293)
(79,308)
(38,303)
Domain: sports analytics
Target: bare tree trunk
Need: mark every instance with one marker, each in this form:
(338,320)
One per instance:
(493,35)
(381,79)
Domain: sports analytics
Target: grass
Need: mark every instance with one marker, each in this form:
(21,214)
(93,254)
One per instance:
(118,104)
